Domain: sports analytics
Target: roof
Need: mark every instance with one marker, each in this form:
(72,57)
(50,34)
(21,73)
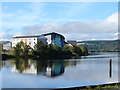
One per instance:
(38,35)
(52,34)
(27,36)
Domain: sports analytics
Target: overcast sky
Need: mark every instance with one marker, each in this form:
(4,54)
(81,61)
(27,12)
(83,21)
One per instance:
(75,20)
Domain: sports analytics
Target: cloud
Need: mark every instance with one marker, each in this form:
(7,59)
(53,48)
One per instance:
(5,36)
(32,18)
(77,30)
(113,18)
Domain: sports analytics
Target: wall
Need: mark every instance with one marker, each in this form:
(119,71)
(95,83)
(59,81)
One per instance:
(29,41)
(49,41)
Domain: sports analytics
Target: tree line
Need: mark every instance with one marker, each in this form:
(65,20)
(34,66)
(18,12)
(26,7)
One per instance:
(41,50)
(102,45)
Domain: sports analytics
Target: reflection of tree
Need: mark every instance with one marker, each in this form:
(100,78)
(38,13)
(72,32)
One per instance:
(41,64)
(43,67)
(21,64)
(0,65)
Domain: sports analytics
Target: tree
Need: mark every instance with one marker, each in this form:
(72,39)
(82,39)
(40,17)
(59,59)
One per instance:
(57,49)
(40,50)
(84,50)
(53,51)
(20,50)
(66,50)
(77,50)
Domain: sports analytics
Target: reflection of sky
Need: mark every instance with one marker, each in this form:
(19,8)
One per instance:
(86,72)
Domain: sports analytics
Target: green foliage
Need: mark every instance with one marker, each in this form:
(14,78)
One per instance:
(100,87)
(49,51)
(21,50)
(84,50)
(77,50)
(66,50)
(41,50)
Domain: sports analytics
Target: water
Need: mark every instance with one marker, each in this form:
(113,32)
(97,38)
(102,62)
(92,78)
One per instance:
(87,70)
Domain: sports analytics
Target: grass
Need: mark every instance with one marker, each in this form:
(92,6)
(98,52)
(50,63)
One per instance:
(97,87)
(100,87)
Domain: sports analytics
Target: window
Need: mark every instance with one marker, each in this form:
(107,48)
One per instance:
(29,43)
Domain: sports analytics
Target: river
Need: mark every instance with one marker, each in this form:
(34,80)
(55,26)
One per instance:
(97,68)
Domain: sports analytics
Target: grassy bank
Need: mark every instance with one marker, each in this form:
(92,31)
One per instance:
(112,86)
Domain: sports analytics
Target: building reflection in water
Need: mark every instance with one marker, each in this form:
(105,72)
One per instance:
(24,66)
(53,70)
(49,68)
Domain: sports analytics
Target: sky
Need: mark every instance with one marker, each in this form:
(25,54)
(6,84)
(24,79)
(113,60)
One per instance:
(75,20)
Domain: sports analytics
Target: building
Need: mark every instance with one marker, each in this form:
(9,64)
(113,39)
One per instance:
(55,39)
(49,38)
(6,45)
(54,70)
(29,40)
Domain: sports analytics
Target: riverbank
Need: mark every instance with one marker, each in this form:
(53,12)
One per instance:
(104,51)
(111,86)
(7,56)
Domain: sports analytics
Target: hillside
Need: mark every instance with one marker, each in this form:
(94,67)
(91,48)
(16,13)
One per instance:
(101,45)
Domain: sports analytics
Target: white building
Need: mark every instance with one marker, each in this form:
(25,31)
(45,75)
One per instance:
(29,40)
(49,38)
(6,45)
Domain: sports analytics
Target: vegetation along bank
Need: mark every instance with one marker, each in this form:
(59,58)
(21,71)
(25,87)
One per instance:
(43,51)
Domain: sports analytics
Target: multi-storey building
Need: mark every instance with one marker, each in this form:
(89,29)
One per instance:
(55,39)
(49,38)
(29,40)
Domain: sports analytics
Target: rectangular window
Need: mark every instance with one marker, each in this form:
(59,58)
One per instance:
(29,43)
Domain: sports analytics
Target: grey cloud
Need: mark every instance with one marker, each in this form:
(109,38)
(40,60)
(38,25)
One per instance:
(76,29)
(5,36)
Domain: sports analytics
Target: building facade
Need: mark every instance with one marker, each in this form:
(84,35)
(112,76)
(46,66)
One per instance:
(6,45)
(55,39)
(49,38)
(29,40)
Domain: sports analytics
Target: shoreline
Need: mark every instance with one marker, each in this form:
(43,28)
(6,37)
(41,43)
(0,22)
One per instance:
(94,87)
(8,56)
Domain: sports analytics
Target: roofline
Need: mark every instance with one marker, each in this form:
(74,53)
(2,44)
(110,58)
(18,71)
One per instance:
(26,36)
(53,33)
(39,35)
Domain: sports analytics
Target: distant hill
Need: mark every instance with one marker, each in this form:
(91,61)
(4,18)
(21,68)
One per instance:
(101,45)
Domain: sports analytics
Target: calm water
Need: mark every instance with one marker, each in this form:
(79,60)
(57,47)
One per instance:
(88,70)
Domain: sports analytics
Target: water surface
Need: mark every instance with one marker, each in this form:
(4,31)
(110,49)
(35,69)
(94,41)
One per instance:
(98,68)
